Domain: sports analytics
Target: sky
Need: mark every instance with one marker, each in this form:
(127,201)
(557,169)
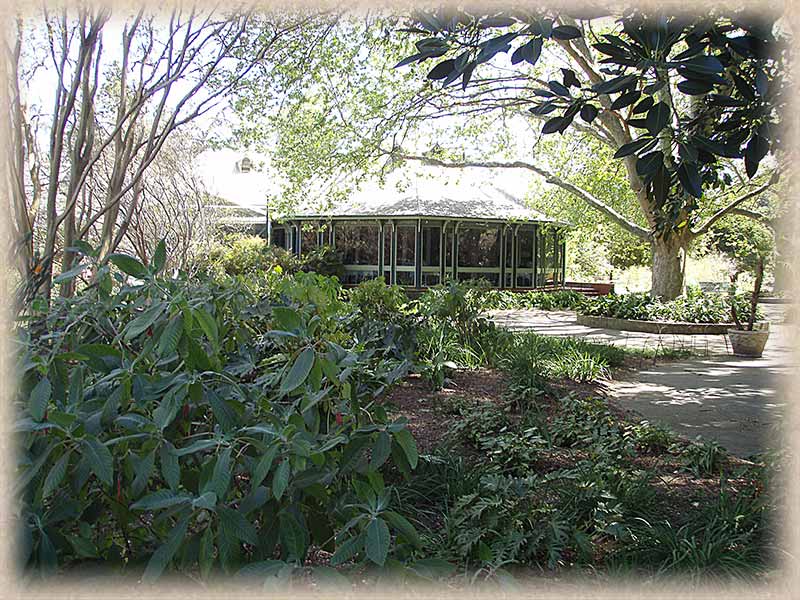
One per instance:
(217,167)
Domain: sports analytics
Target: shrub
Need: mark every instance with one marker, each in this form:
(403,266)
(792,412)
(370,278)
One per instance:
(188,422)
(695,306)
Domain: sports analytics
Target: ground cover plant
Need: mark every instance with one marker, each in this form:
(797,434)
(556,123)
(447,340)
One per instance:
(268,426)
(695,306)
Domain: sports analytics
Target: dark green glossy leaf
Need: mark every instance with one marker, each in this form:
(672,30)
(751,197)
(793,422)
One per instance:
(377,541)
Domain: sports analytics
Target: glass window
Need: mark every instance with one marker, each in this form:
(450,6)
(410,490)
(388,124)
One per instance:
(448,248)
(478,247)
(405,278)
(387,248)
(406,246)
(358,243)
(309,239)
(509,239)
(279,236)
(431,246)
(525,250)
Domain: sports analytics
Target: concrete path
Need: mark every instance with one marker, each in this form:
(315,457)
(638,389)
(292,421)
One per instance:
(740,402)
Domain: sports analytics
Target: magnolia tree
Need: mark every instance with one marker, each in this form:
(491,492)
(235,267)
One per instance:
(691,107)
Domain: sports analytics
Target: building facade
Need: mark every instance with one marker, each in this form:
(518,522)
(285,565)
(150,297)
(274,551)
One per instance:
(419,238)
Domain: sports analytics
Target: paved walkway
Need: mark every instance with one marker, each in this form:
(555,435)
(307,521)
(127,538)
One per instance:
(740,402)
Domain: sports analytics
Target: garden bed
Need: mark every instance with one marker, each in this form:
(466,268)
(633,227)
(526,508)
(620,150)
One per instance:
(673,327)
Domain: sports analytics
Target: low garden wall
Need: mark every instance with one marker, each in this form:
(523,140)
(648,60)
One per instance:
(673,327)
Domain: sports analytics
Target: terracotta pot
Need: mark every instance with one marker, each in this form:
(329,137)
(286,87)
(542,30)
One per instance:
(748,343)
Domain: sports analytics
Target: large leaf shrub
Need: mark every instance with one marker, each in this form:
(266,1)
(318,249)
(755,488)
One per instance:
(192,422)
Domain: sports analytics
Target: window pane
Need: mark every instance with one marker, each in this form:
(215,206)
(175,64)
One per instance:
(405,278)
(358,243)
(406,245)
(309,239)
(525,250)
(387,247)
(431,246)
(478,247)
(525,279)
(279,236)
(429,279)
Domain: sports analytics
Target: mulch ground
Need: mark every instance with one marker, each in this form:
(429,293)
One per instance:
(430,424)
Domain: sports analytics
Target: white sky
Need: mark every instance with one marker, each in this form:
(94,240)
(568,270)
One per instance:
(216,167)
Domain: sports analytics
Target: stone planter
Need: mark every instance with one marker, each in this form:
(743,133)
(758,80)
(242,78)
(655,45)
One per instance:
(748,343)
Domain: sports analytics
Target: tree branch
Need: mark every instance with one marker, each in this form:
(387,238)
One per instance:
(730,207)
(551,178)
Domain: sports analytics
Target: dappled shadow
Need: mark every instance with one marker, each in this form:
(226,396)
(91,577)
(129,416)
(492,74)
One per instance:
(737,401)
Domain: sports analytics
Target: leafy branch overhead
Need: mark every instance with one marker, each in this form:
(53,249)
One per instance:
(694,93)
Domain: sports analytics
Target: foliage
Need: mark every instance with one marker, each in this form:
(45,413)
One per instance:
(731,64)
(252,256)
(532,357)
(506,510)
(377,301)
(493,299)
(187,422)
(695,306)
(742,240)
(249,255)
(325,260)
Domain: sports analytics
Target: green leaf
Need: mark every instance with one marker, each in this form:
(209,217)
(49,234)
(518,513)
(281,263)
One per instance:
(409,446)
(159,257)
(632,147)
(170,467)
(129,265)
(207,501)
(206,557)
(280,480)
(381,450)
(39,398)
(286,318)
(160,499)
(162,557)
(261,569)
(145,320)
(142,468)
(433,568)
(100,460)
(263,466)
(401,524)
(657,117)
(166,410)
(292,536)
(56,475)
(347,550)
(236,524)
(221,477)
(327,578)
(207,324)
(71,274)
(377,542)
(168,342)
(299,371)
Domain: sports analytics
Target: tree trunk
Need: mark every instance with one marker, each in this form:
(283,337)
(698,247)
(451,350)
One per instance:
(669,263)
